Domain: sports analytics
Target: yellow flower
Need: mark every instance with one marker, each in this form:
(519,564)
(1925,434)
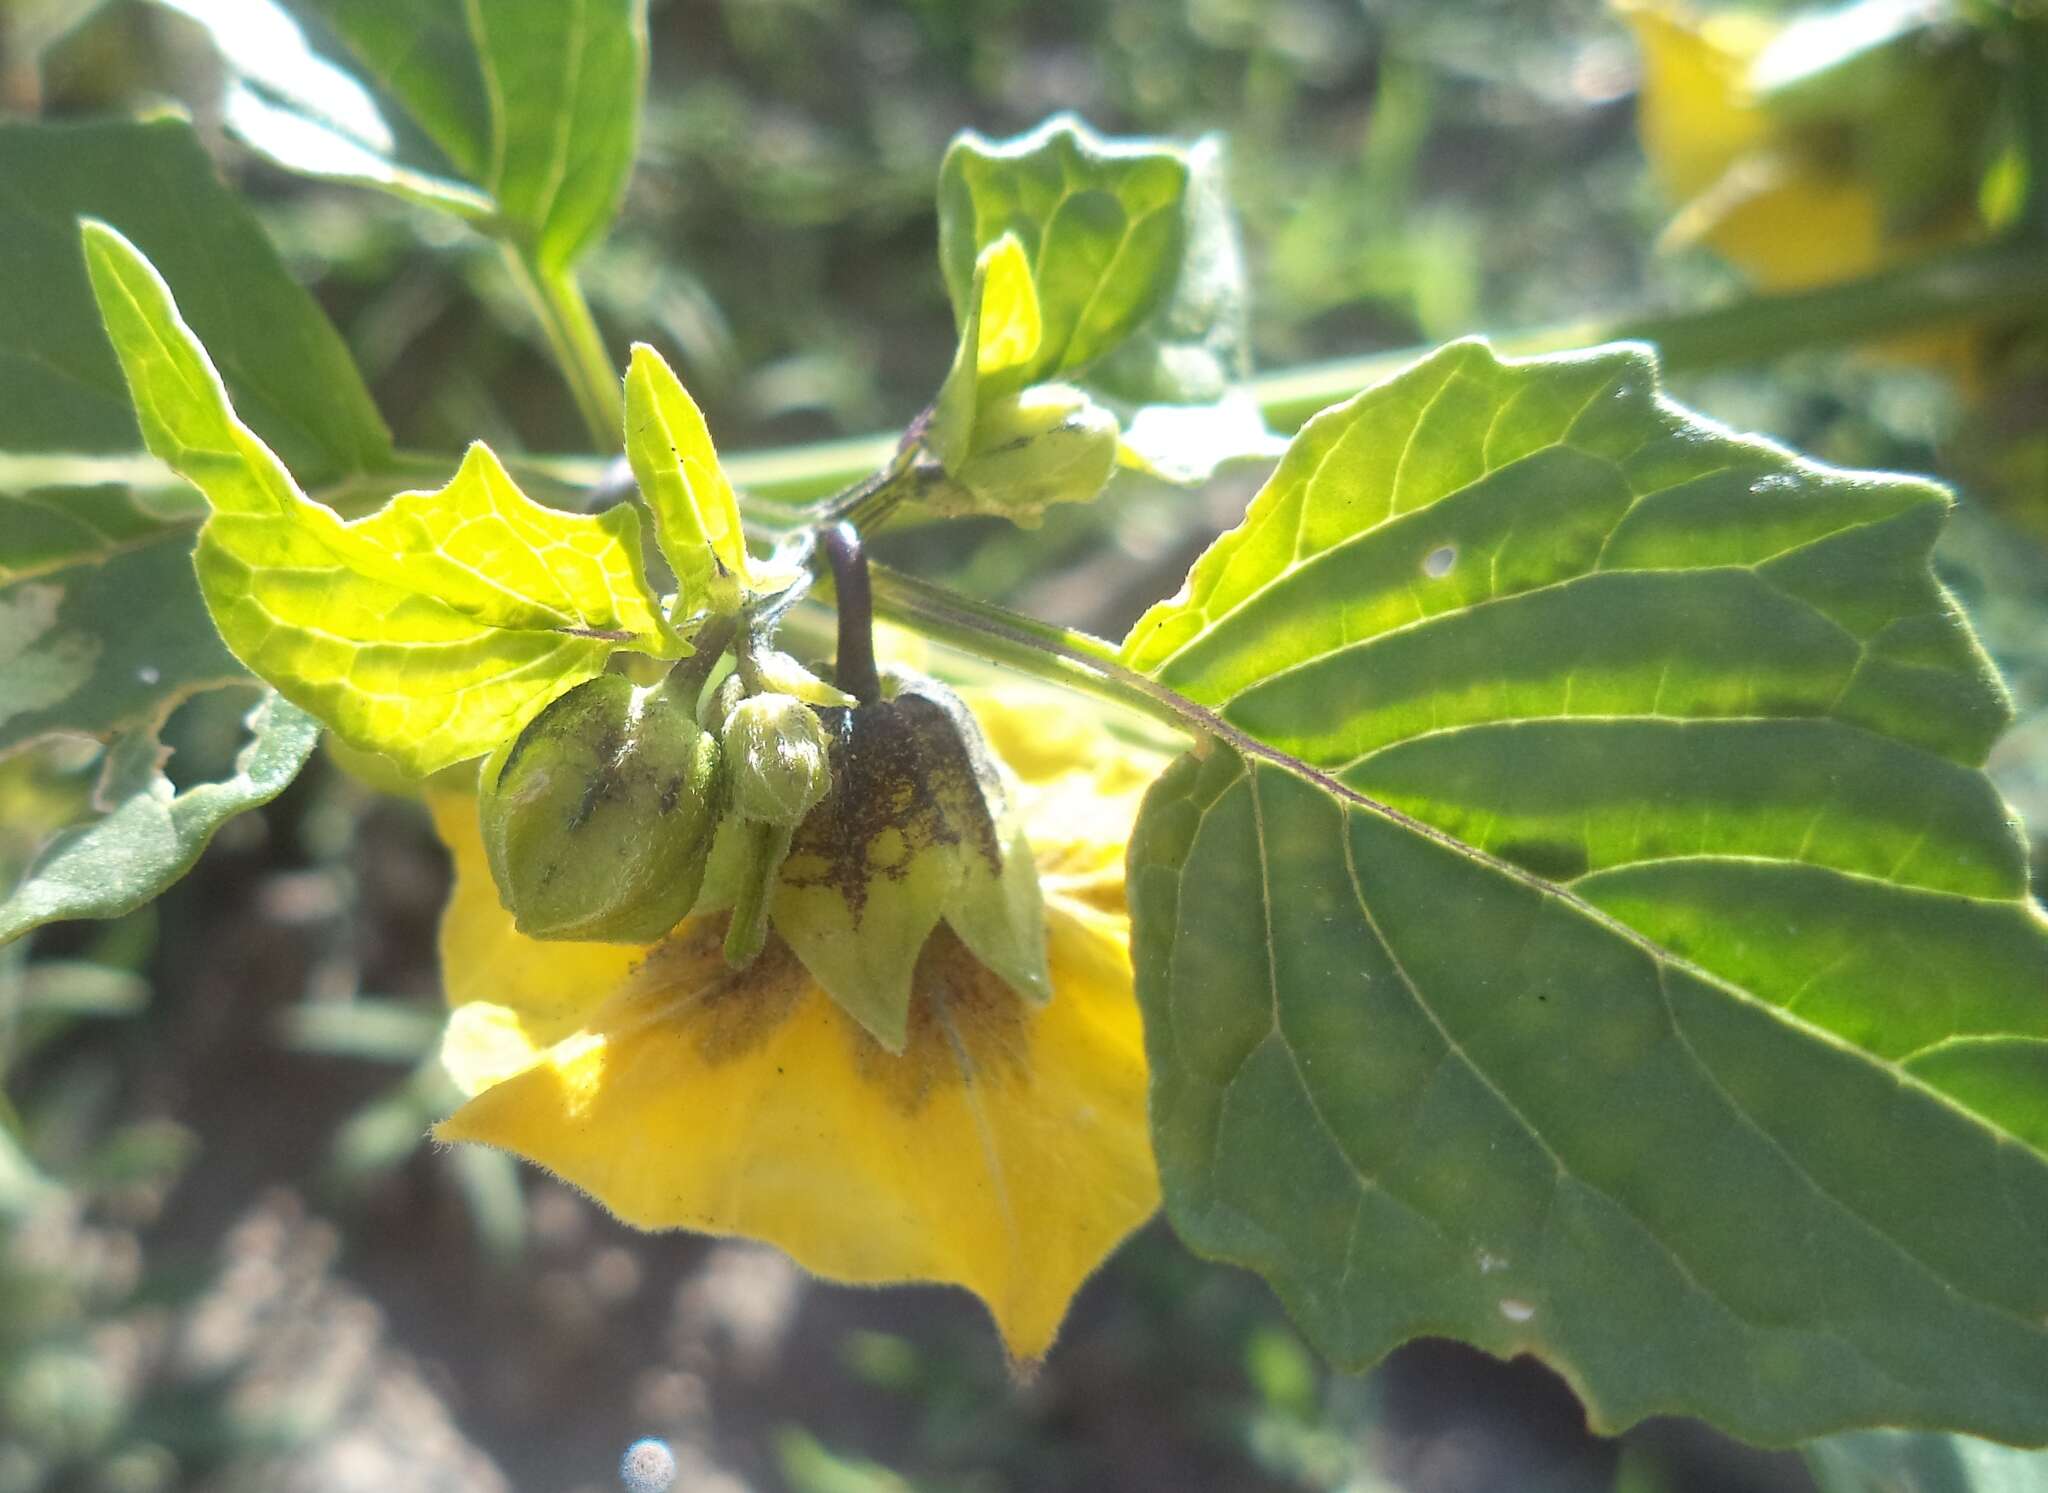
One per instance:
(1005,1150)
(1793,198)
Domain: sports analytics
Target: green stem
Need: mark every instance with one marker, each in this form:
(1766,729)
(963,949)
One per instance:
(578,347)
(2005,281)
(1042,650)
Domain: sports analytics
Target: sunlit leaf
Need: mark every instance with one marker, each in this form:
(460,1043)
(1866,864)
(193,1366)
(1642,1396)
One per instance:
(152,833)
(1593,933)
(1186,443)
(428,631)
(1193,349)
(60,386)
(1101,223)
(696,516)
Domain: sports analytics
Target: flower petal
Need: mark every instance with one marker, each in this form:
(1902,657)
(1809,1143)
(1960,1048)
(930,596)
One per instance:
(1006,1150)
(513,996)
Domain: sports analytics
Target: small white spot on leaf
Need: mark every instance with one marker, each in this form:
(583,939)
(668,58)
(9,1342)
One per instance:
(1490,1262)
(1438,562)
(1515,1309)
(148,674)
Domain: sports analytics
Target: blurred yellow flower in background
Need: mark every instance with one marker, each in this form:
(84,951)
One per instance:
(1821,149)
(1005,1150)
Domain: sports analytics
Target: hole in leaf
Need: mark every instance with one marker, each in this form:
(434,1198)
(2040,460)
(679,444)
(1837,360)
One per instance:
(203,735)
(1438,562)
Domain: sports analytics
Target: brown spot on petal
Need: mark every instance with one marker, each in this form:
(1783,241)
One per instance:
(726,1012)
(966,1026)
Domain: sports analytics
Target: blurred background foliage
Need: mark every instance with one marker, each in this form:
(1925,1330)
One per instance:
(227,1259)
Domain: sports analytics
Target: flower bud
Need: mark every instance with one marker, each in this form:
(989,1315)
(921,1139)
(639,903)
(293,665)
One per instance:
(1048,444)
(597,818)
(779,757)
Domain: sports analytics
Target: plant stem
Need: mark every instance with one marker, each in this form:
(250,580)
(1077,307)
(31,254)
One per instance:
(573,338)
(2004,281)
(1042,650)
(853,599)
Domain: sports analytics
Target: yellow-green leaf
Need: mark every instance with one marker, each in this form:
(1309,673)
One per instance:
(696,516)
(1101,223)
(428,631)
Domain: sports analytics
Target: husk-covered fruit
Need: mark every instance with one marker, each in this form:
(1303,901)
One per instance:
(597,817)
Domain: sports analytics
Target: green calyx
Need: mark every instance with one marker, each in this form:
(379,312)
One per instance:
(1047,444)
(917,827)
(598,816)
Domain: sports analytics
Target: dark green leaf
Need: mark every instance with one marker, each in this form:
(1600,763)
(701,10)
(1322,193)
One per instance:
(152,834)
(1595,934)
(518,116)
(60,388)
(110,641)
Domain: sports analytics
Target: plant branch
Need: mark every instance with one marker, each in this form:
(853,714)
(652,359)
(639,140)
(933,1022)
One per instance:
(2000,281)
(1042,650)
(578,347)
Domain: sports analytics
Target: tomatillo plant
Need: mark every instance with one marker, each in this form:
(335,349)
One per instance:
(1537,880)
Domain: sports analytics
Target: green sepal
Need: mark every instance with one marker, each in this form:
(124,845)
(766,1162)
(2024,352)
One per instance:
(696,515)
(1048,444)
(778,755)
(762,847)
(917,827)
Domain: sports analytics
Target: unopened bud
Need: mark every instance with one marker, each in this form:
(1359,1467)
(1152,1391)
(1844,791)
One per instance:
(779,757)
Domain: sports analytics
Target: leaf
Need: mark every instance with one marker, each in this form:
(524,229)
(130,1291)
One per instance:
(531,110)
(428,631)
(1592,933)
(308,114)
(153,834)
(696,516)
(1001,333)
(51,529)
(1187,443)
(108,643)
(1100,221)
(1922,1462)
(60,388)
(1194,349)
